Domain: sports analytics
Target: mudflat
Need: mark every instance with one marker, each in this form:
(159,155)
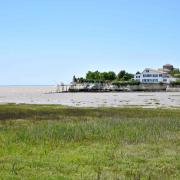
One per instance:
(43,95)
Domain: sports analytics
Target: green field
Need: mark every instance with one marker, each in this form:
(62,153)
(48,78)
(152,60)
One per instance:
(57,142)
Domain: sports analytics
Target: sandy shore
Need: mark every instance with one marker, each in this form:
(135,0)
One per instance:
(41,95)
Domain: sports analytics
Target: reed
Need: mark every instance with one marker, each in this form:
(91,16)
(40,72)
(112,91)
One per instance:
(57,142)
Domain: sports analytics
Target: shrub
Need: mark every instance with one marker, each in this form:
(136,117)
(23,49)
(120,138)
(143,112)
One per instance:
(125,83)
(177,75)
(133,82)
(175,83)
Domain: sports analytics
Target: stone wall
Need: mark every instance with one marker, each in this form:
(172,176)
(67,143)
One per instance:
(109,88)
(173,88)
(149,87)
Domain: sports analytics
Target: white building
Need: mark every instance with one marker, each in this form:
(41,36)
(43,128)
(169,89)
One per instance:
(153,76)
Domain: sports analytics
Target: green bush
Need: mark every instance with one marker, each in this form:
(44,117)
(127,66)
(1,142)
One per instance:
(175,83)
(174,72)
(124,83)
(134,82)
(161,83)
(177,75)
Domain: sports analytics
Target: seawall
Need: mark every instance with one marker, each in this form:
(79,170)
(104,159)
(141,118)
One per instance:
(124,88)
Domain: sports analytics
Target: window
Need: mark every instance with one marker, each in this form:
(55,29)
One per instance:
(147,75)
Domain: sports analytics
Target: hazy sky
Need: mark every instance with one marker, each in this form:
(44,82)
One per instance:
(48,41)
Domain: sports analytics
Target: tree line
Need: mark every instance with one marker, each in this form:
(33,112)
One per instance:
(111,76)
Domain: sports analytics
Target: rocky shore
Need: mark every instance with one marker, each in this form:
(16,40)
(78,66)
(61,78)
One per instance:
(100,87)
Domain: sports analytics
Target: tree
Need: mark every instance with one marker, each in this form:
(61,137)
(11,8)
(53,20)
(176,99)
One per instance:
(97,75)
(121,74)
(103,76)
(128,76)
(124,76)
(90,75)
(93,75)
(111,76)
(81,80)
(74,79)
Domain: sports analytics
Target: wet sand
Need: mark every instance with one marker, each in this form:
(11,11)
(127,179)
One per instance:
(41,95)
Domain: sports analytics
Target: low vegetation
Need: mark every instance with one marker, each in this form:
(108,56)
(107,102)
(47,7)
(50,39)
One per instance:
(124,83)
(175,73)
(57,142)
(175,83)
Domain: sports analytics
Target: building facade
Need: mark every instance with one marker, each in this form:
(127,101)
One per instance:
(153,76)
(168,68)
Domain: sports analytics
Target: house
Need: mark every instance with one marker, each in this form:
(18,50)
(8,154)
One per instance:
(150,76)
(168,68)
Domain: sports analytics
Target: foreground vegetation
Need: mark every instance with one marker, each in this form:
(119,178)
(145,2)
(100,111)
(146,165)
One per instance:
(56,142)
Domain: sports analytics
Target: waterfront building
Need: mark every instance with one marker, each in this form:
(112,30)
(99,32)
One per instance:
(153,76)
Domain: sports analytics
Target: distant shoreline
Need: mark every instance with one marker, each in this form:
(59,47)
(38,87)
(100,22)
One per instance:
(24,85)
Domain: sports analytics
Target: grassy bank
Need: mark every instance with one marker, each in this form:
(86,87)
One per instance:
(57,142)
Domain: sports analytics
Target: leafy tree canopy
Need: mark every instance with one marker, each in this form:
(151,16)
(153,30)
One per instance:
(124,76)
(96,76)
(101,76)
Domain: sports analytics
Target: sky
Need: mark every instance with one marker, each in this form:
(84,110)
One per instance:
(44,42)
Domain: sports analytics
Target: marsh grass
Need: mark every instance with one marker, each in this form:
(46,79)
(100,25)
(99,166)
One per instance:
(57,142)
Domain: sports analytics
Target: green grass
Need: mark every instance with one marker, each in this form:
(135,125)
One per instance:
(57,142)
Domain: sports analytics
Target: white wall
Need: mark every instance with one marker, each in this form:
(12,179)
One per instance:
(149,76)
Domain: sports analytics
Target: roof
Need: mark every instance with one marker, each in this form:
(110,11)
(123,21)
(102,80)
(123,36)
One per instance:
(153,70)
(168,65)
(161,69)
